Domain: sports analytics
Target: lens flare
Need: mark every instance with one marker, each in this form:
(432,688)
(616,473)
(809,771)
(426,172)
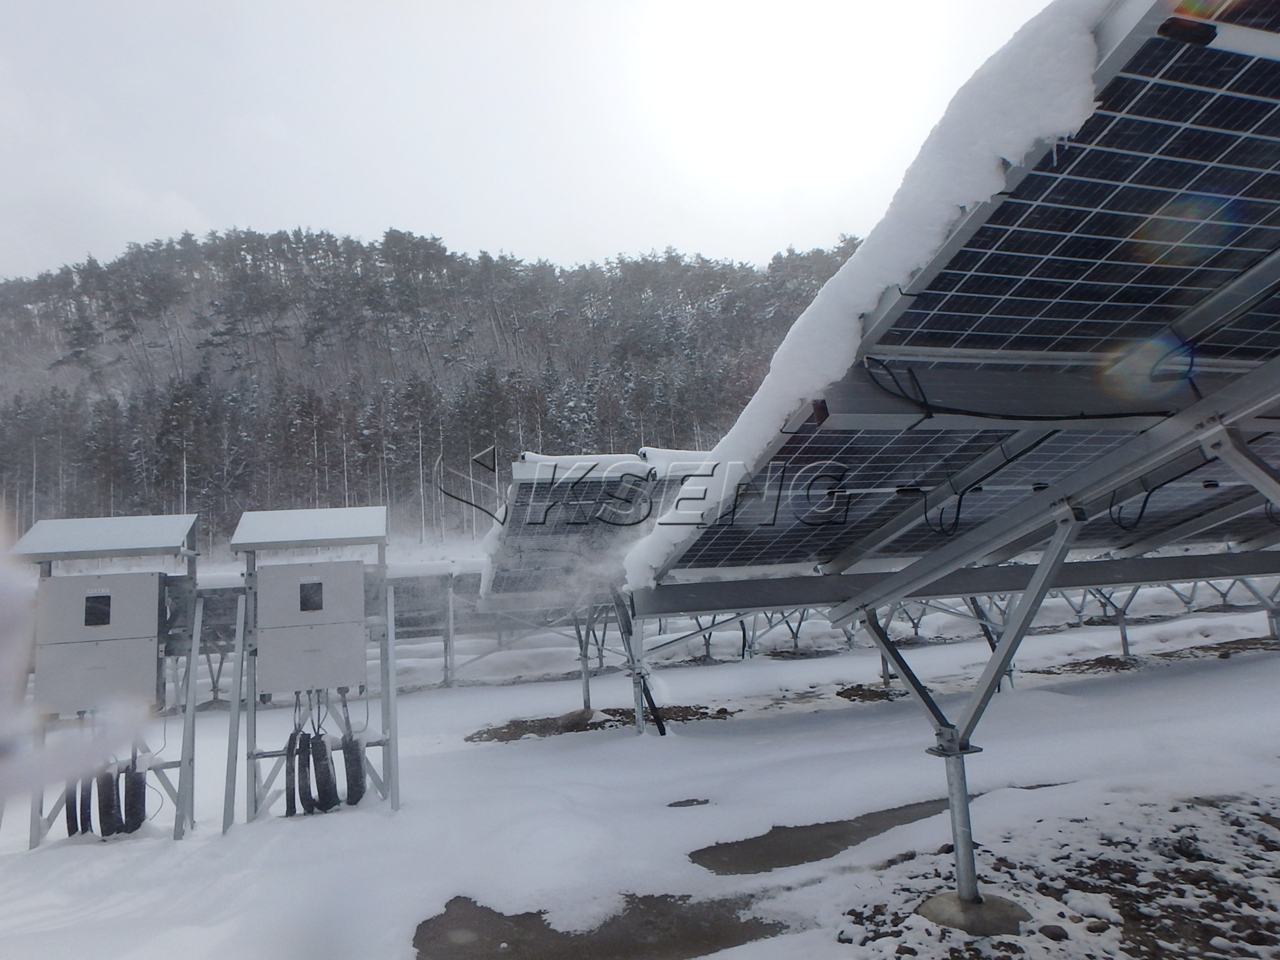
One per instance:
(1204,9)
(1148,370)
(1172,235)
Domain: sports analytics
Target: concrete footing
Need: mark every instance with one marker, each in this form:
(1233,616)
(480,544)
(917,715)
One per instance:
(993,917)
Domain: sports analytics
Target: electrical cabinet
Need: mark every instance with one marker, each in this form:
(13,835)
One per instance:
(311,626)
(111,606)
(307,594)
(71,677)
(97,640)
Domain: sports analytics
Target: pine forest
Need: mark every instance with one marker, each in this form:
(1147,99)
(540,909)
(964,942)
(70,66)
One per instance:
(248,371)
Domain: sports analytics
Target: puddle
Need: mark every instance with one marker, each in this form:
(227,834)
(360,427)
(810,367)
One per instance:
(789,846)
(649,928)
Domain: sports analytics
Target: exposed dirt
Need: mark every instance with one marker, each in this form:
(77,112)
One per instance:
(648,928)
(1197,879)
(1103,664)
(809,653)
(1115,664)
(1244,645)
(865,694)
(582,720)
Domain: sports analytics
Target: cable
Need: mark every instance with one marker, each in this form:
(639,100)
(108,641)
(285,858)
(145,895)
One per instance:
(352,756)
(1271,513)
(929,409)
(941,529)
(304,773)
(326,783)
(1117,516)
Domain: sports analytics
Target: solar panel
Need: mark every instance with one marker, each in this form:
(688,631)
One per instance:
(1166,193)
(569,521)
(1154,228)
(1255,14)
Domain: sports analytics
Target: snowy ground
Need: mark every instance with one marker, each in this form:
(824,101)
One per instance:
(572,824)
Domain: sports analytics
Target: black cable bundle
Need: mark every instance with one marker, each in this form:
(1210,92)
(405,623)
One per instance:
(86,804)
(304,773)
(109,804)
(291,776)
(326,783)
(135,799)
(653,709)
(352,756)
(353,766)
(73,822)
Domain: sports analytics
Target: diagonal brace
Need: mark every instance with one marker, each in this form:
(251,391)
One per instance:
(889,650)
(1228,445)
(1017,624)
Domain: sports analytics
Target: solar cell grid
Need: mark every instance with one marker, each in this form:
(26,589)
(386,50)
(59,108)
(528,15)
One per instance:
(777,520)
(1048,463)
(767,530)
(1256,14)
(1167,194)
(1170,174)
(1168,506)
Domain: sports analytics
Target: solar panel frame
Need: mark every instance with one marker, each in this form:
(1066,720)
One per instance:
(1109,218)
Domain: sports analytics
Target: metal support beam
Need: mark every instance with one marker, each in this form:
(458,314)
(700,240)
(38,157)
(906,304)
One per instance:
(252,779)
(1246,397)
(635,656)
(953,740)
(919,692)
(1016,625)
(789,593)
(1261,542)
(946,493)
(450,670)
(1228,445)
(1189,528)
(233,721)
(390,722)
(184,817)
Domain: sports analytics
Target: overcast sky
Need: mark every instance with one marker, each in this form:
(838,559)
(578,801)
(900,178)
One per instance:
(567,130)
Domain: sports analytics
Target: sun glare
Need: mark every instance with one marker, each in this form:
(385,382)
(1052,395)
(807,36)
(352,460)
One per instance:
(814,102)
(749,96)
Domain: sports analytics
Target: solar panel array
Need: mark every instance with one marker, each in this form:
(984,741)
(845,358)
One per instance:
(1166,193)
(1169,194)
(867,477)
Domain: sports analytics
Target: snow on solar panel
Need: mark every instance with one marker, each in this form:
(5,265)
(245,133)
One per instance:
(566,525)
(1166,199)
(1164,195)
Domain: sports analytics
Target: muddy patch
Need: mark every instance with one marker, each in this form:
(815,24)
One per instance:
(861,693)
(789,846)
(805,654)
(1116,664)
(1103,664)
(1244,645)
(648,928)
(581,720)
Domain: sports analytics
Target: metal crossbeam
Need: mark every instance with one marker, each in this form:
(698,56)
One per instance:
(940,496)
(1248,396)
(740,597)
(1196,525)
(1230,447)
